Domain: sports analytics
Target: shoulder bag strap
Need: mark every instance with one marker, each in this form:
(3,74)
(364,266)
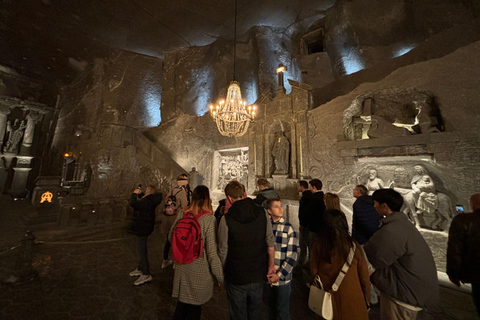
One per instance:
(345,268)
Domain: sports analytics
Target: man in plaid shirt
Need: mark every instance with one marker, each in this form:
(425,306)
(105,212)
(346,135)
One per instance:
(287,251)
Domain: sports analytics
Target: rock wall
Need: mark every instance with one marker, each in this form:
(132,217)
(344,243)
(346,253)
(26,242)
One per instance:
(101,114)
(451,157)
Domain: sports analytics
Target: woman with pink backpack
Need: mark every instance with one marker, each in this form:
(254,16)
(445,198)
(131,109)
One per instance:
(197,263)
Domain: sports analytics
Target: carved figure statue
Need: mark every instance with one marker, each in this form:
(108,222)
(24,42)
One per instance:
(15,136)
(423,120)
(423,200)
(281,155)
(374,182)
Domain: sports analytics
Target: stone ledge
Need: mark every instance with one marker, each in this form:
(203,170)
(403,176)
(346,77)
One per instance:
(418,139)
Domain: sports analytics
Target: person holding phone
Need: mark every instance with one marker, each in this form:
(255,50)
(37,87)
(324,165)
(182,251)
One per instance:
(142,225)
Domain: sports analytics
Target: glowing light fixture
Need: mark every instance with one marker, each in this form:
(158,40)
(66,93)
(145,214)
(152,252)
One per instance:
(232,115)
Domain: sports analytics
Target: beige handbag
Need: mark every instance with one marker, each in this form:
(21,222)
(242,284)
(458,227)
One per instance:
(319,300)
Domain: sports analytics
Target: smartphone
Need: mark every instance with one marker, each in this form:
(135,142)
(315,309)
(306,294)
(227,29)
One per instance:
(459,208)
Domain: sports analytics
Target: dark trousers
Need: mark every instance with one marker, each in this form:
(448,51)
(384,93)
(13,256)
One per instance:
(245,301)
(166,249)
(143,264)
(279,301)
(476,296)
(185,311)
(303,246)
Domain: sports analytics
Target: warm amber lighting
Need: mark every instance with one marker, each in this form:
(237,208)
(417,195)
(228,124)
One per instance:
(233,117)
(46,197)
(281,68)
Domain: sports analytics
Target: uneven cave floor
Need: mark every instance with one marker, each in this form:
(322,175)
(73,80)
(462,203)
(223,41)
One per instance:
(89,280)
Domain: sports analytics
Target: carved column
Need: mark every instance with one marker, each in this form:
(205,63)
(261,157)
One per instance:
(4,111)
(32,119)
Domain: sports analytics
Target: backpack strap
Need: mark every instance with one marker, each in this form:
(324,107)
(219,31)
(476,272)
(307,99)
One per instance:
(198,216)
(345,268)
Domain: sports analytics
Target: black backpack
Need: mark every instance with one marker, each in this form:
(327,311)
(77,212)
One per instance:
(170,204)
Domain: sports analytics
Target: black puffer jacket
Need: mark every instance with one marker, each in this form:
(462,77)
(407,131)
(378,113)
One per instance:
(463,252)
(143,219)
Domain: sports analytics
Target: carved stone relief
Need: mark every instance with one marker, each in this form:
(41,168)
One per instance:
(233,165)
(14,135)
(392,112)
(423,204)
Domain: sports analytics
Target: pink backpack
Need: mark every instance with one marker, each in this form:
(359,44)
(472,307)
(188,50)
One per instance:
(187,241)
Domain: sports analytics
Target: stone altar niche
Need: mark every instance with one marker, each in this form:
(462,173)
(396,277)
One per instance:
(279,146)
(392,112)
(18,119)
(423,203)
(228,165)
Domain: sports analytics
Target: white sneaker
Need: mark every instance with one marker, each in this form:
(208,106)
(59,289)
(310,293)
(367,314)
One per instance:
(166,263)
(136,273)
(142,279)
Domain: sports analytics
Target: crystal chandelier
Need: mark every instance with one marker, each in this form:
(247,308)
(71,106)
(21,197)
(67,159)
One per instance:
(232,115)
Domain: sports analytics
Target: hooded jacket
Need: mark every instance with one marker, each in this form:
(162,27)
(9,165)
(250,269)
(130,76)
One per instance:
(246,258)
(365,219)
(405,269)
(143,220)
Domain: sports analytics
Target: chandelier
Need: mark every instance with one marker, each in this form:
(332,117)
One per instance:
(232,115)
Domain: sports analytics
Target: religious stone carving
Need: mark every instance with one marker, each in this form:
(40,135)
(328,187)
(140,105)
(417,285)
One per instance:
(429,208)
(373,183)
(15,135)
(391,112)
(233,166)
(32,118)
(281,155)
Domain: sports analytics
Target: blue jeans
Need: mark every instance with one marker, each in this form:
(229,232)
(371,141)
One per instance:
(245,301)
(279,302)
(143,264)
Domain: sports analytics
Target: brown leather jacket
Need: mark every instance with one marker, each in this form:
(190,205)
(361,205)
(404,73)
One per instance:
(463,252)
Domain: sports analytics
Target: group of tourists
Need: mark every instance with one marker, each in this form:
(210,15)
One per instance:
(248,247)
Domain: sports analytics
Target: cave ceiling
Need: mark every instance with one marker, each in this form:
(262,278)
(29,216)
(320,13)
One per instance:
(54,40)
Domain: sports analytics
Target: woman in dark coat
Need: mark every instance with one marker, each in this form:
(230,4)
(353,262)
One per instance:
(142,224)
(329,253)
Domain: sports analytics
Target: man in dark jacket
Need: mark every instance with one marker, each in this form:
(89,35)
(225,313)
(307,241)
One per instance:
(365,218)
(463,252)
(316,207)
(142,225)
(266,192)
(246,249)
(302,218)
(405,273)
